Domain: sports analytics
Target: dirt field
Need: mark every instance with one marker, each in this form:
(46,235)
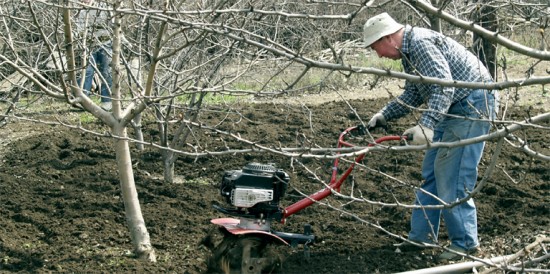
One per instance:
(61,208)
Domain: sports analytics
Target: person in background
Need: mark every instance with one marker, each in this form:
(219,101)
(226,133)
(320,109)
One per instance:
(451,114)
(96,24)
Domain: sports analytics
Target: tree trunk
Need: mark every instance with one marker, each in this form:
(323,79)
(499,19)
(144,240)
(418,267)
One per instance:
(138,232)
(435,22)
(486,17)
(135,71)
(136,124)
(168,158)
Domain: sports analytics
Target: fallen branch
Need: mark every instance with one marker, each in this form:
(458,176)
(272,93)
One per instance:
(530,249)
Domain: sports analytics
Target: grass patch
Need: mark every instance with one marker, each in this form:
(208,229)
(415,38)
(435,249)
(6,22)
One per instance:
(216,98)
(211,98)
(372,60)
(86,118)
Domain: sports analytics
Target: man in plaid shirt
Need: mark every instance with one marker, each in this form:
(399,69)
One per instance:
(449,173)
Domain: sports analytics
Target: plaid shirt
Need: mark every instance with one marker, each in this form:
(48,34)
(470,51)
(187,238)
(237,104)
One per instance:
(431,54)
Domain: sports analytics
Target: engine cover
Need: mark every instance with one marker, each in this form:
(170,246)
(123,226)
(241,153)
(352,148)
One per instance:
(248,197)
(257,188)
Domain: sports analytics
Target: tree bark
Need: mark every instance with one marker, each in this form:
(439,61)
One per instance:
(435,22)
(168,158)
(486,17)
(134,218)
(138,132)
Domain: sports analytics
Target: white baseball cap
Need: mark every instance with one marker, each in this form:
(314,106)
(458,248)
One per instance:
(378,27)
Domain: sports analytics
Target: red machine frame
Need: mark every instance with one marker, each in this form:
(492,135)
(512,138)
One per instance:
(335,183)
(232,225)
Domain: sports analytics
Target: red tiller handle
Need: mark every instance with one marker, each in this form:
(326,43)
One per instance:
(334,182)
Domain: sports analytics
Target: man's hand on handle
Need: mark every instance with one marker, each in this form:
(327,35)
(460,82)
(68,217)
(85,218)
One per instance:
(377,121)
(419,135)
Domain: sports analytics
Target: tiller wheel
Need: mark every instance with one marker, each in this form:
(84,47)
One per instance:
(247,254)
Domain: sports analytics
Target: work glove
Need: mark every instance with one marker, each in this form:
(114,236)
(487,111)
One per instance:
(419,135)
(377,121)
(360,130)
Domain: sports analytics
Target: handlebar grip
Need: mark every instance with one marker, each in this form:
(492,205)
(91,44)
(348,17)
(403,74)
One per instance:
(361,129)
(384,127)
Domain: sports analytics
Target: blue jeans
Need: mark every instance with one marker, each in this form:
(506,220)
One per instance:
(450,173)
(101,58)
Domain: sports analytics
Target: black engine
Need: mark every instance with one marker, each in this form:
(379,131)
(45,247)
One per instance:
(255,190)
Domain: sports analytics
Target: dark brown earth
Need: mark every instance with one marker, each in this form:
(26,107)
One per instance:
(61,207)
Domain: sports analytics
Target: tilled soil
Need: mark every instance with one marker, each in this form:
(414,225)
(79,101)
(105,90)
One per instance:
(61,207)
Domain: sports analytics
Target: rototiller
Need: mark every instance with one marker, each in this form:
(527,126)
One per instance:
(254,193)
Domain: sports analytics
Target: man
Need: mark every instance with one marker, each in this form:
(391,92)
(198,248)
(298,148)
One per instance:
(97,23)
(449,173)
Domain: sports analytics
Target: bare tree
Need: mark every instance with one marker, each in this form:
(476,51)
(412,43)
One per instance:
(189,52)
